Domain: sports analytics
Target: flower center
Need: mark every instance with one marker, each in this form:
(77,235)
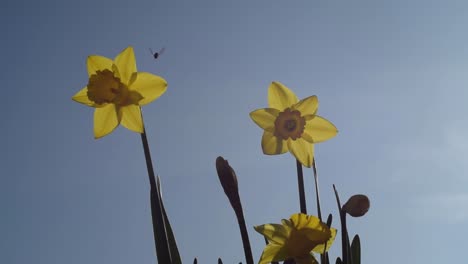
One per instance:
(105,88)
(289,124)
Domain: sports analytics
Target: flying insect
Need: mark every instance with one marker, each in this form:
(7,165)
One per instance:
(157,54)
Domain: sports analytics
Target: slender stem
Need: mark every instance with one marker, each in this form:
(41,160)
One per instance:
(345,238)
(228,180)
(244,234)
(323,255)
(344,231)
(317,195)
(300,183)
(156,211)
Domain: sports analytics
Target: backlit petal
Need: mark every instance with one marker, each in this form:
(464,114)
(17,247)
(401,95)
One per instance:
(301,220)
(319,248)
(280,97)
(98,63)
(307,106)
(287,223)
(318,129)
(126,64)
(82,97)
(273,252)
(302,150)
(275,233)
(149,86)
(131,118)
(105,120)
(265,118)
(272,145)
(317,234)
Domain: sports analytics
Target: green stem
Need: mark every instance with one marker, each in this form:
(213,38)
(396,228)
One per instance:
(300,183)
(317,195)
(244,234)
(228,180)
(160,238)
(323,256)
(344,231)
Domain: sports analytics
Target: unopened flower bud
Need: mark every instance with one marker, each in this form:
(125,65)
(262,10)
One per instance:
(357,205)
(228,180)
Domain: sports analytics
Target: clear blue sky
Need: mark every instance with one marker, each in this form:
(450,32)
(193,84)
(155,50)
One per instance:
(392,76)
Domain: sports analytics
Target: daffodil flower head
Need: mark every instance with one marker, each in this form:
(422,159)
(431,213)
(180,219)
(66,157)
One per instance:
(117,91)
(291,125)
(296,239)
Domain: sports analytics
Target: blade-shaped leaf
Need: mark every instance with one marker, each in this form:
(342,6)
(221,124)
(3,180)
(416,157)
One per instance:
(325,259)
(356,250)
(173,250)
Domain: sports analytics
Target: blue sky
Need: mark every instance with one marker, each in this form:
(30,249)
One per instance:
(391,75)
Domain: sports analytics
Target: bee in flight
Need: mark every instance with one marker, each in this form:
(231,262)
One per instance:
(157,54)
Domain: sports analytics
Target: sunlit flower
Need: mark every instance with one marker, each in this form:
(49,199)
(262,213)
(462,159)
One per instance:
(117,91)
(291,125)
(296,238)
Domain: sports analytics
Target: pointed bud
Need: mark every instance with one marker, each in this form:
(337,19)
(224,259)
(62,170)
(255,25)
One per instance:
(357,205)
(228,180)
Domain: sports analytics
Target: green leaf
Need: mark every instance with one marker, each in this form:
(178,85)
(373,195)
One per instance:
(329,220)
(325,259)
(356,250)
(173,250)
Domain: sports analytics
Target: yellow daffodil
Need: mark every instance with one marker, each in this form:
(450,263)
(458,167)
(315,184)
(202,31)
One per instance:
(291,125)
(296,238)
(117,91)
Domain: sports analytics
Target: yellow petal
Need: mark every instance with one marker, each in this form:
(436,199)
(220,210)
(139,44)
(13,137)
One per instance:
(272,145)
(300,221)
(265,118)
(312,228)
(302,150)
(105,120)
(287,223)
(149,86)
(82,97)
(273,252)
(98,63)
(280,97)
(307,106)
(320,248)
(318,234)
(318,129)
(303,221)
(131,118)
(275,233)
(126,64)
